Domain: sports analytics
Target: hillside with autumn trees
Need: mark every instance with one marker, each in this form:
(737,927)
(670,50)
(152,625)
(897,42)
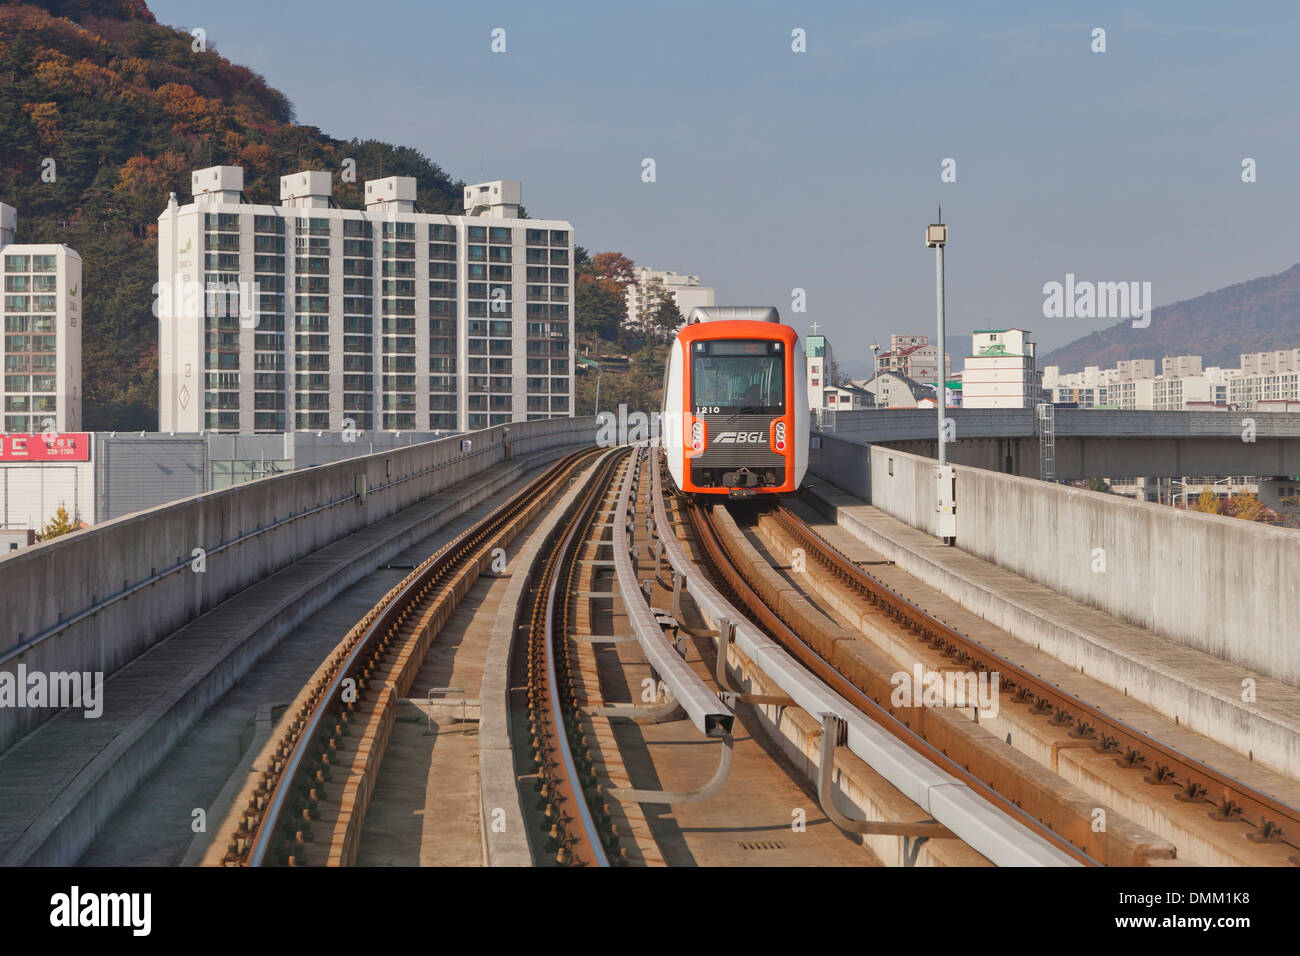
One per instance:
(103,112)
(624,365)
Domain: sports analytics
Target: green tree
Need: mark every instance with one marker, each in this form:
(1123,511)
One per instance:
(598,307)
(666,319)
(60,524)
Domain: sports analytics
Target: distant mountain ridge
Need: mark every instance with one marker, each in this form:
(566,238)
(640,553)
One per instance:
(1258,315)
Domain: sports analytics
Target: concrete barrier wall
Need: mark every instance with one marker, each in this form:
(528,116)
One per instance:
(1224,586)
(896,482)
(903,485)
(842,462)
(1227,587)
(95,599)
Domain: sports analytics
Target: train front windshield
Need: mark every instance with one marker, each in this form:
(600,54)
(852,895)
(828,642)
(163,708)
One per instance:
(738,376)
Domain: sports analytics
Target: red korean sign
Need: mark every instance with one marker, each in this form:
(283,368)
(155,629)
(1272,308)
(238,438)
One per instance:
(60,446)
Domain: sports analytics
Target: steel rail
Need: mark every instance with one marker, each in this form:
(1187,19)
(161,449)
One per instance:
(563,555)
(394,604)
(1239,799)
(568,786)
(1003,840)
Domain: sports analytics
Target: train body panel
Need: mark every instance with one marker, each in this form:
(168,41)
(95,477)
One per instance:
(735,415)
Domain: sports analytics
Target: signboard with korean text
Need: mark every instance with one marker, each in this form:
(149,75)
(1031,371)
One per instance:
(55,446)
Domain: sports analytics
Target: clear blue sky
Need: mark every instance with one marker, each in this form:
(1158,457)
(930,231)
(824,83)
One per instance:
(819,170)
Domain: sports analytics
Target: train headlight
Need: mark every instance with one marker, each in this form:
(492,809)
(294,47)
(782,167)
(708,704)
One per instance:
(778,437)
(697,436)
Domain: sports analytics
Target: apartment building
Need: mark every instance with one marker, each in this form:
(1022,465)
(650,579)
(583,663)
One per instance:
(41,387)
(1000,372)
(1180,366)
(305,316)
(914,357)
(651,286)
(1265,381)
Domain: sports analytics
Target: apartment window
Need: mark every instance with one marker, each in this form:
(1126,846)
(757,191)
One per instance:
(221,222)
(477,233)
(18,263)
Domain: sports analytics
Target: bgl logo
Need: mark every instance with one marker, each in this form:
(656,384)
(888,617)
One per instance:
(738,438)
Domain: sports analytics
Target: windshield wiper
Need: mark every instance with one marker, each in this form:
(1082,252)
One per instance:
(746,410)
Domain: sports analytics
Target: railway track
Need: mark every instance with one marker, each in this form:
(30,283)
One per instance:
(577,818)
(311,801)
(737,574)
(1227,799)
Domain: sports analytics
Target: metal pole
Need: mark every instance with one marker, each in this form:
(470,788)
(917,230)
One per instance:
(940,385)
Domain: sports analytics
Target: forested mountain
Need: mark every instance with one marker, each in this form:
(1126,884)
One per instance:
(103,112)
(1254,316)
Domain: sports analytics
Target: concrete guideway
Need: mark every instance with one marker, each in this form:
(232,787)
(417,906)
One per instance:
(126,584)
(1065,735)
(1181,697)
(61,782)
(1202,692)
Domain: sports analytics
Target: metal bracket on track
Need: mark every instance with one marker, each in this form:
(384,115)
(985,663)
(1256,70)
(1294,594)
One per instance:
(913,834)
(731,694)
(685,796)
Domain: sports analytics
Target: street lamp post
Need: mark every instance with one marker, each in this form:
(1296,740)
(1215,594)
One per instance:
(936,237)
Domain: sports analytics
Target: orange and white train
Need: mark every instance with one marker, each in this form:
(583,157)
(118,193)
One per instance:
(735,408)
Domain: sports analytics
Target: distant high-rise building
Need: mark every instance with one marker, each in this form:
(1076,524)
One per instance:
(651,286)
(41,388)
(307,316)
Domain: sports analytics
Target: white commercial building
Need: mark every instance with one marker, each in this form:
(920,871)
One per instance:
(651,286)
(307,316)
(42,335)
(1000,372)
